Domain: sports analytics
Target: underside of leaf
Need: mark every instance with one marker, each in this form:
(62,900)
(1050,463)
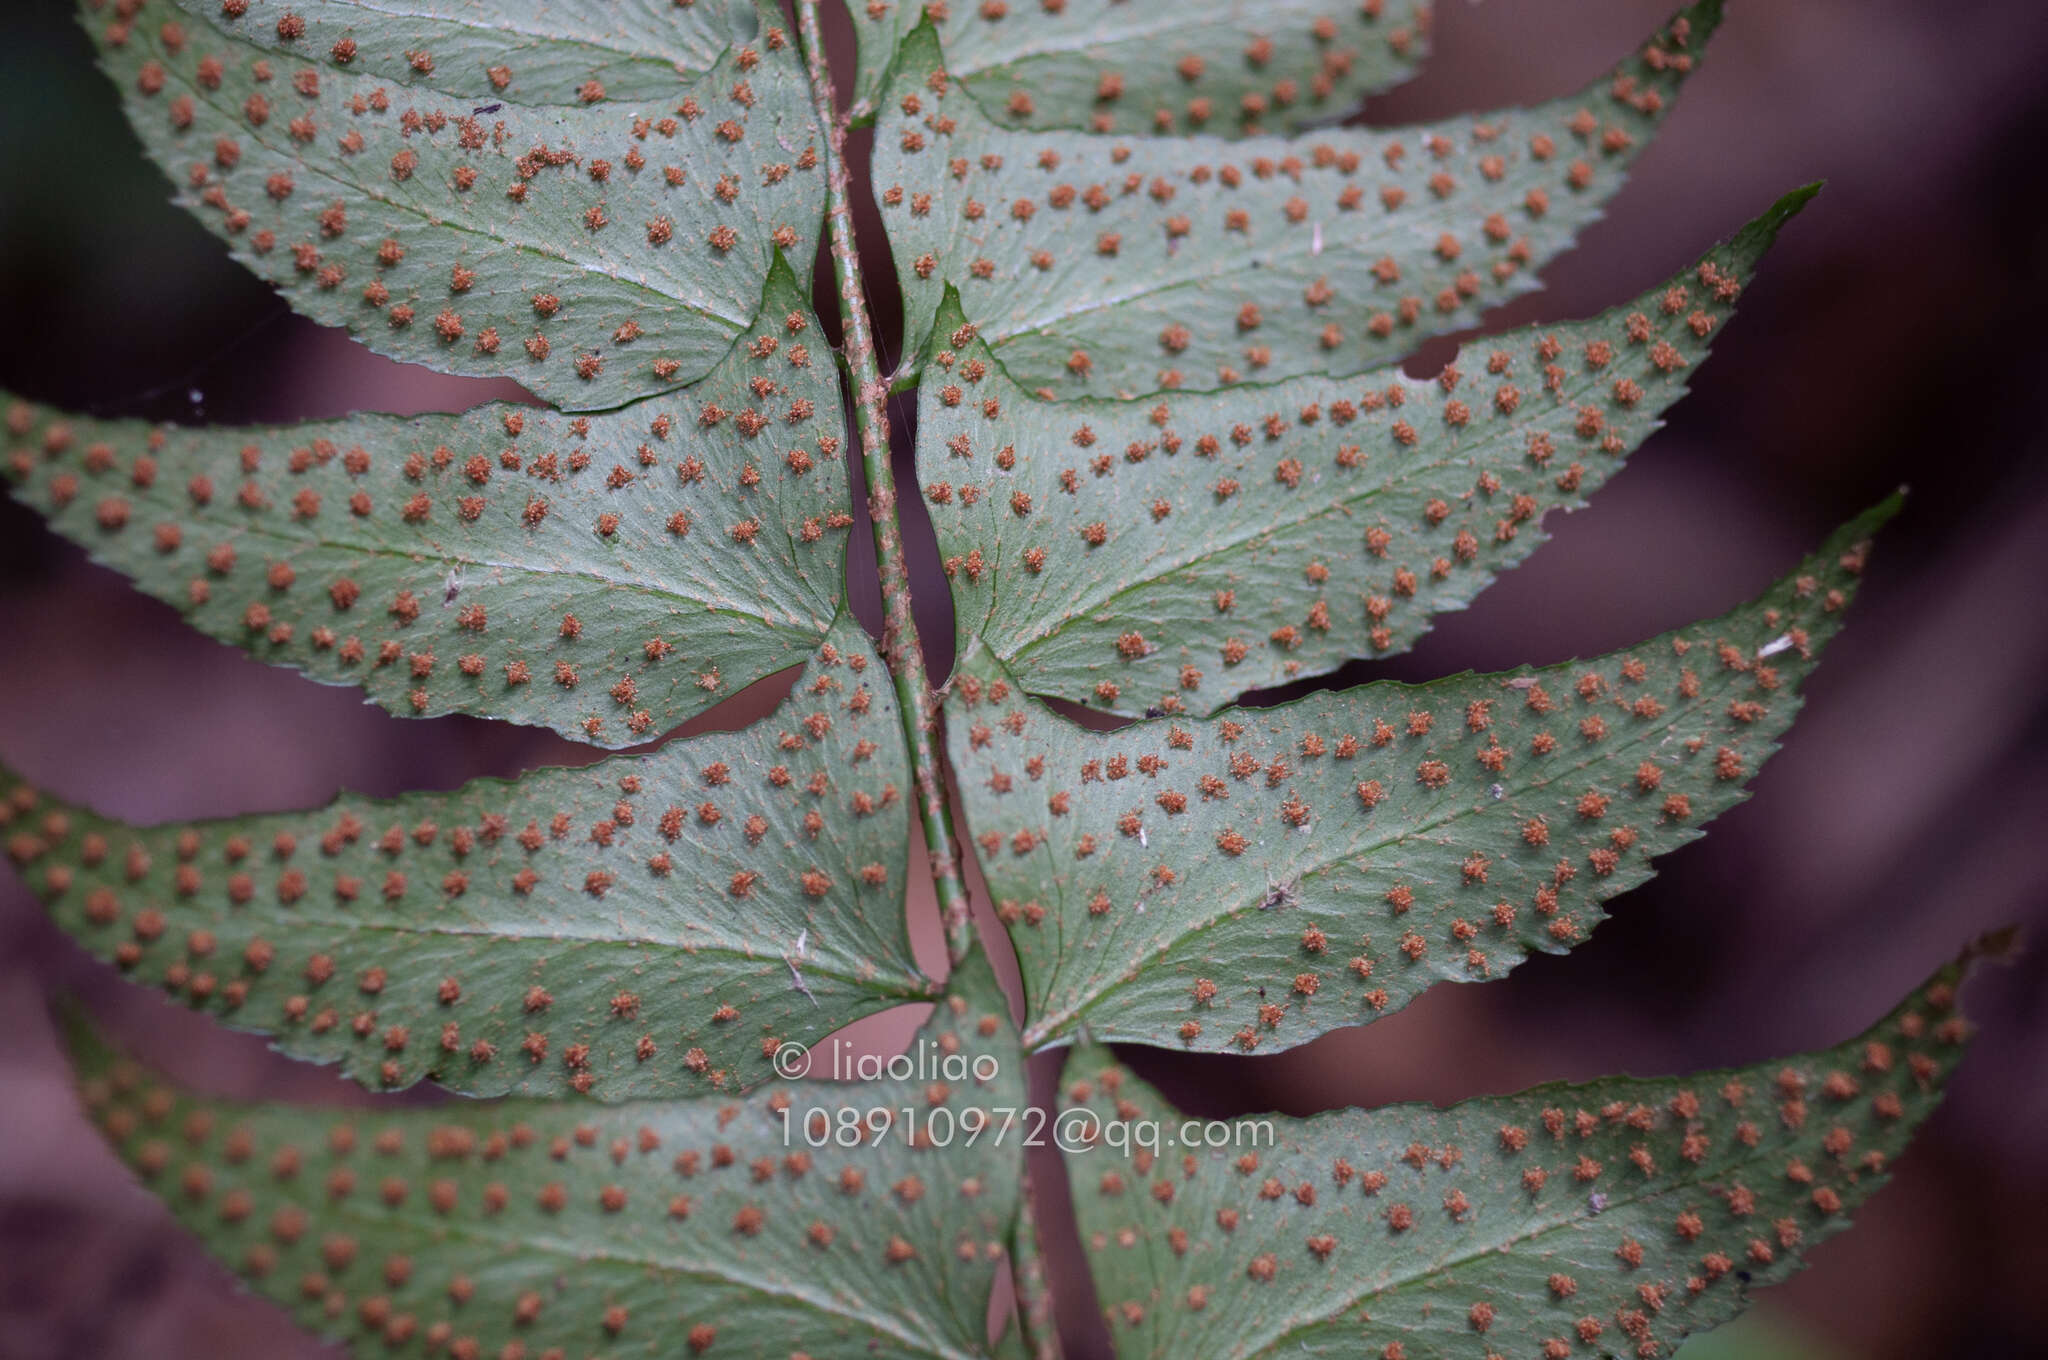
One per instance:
(1171,554)
(607,576)
(596,252)
(1259,878)
(645,925)
(1153,294)
(1607,1219)
(681,1227)
(1224,67)
(1113,266)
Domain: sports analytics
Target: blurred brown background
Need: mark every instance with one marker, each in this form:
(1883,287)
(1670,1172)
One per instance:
(1893,337)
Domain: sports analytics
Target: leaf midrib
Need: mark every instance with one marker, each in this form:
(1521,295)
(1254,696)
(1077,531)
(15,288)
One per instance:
(1158,569)
(440,554)
(1051,1025)
(907,991)
(1649,1190)
(584,1253)
(1234,264)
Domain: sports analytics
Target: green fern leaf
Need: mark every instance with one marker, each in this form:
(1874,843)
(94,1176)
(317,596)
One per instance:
(1611,1218)
(607,576)
(1114,266)
(1262,877)
(1153,296)
(647,925)
(1174,553)
(679,1227)
(1222,67)
(597,252)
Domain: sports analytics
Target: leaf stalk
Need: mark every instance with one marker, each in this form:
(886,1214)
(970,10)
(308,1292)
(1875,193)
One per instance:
(901,648)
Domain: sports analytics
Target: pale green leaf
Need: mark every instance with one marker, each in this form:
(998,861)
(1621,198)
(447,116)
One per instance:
(616,202)
(1611,1218)
(1175,553)
(646,925)
(595,252)
(1113,265)
(671,1228)
(607,576)
(1225,67)
(1259,878)
(517,51)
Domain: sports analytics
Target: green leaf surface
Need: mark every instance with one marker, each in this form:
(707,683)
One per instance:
(1259,878)
(596,252)
(529,52)
(671,1228)
(1172,554)
(1224,67)
(647,925)
(1153,296)
(607,576)
(1110,265)
(1611,1218)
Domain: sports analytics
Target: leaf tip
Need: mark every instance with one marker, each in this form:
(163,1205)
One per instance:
(1749,244)
(1704,16)
(1793,202)
(1871,520)
(2002,946)
(1676,47)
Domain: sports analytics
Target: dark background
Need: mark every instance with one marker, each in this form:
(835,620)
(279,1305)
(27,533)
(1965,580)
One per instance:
(1894,336)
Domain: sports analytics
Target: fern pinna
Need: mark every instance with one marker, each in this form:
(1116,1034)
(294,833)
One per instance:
(1155,299)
